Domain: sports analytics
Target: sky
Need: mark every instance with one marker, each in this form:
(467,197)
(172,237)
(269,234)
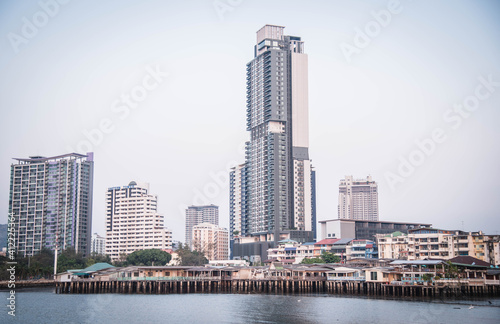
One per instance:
(405,91)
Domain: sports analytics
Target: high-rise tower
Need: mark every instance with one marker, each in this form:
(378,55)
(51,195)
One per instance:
(277,172)
(200,214)
(132,221)
(51,203)
(358,199)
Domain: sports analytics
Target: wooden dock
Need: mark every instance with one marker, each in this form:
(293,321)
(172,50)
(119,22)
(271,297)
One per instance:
(280,286)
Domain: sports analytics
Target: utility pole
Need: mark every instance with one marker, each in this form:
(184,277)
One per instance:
(55,257)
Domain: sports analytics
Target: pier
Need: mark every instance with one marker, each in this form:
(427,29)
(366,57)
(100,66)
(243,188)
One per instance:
(271,286)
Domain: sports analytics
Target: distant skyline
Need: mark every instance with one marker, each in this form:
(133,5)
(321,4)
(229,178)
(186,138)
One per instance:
(407,92)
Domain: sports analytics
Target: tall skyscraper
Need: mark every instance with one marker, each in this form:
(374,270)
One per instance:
(358,199)
(276,198)
(212,240)
(200,214)
(51,203)
(132,221)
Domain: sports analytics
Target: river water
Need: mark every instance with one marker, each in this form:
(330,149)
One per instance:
(44,306)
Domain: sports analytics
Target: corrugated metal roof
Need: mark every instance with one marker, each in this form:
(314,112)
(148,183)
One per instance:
(343,241)
(326,241)
(417,262)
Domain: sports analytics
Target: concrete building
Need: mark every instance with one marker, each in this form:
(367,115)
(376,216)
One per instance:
(132,221)
(426,243)
(339,248)
(365,249)
(361,229)
(197,215)
(238,206)
(432,243)
(358,199)
(51,203)
(392,246)
(98,245)
(212,240)
(275,183)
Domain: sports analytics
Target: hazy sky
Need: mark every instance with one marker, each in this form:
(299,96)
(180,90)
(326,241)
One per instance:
(408,93)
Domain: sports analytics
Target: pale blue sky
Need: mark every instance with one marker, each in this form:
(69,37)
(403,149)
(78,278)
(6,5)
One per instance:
(364,114)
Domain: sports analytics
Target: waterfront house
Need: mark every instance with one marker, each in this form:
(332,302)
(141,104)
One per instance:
(82,273)
(346,274)
(323,246)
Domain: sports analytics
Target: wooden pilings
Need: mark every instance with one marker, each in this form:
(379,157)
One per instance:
(280,286)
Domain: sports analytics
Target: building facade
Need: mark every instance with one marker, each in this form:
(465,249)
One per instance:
(51,203)
(365,249)
(276,180)
(212,240)
(360,229)
(358,199)
(197,215)
(393,246)
(132,221)
(98,245)
(432,243)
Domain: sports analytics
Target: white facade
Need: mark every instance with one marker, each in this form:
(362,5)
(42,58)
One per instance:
(132,222)
(197,215)
(212,240)
(358,199)
(98,245)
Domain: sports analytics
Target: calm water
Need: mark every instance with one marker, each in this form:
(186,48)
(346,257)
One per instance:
(43,306)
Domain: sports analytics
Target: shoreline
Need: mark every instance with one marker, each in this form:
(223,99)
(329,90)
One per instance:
(19,284)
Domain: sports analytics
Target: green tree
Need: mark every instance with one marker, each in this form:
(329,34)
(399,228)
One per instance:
(312,260)
(190,258)
(427,277)
(451,270)
(69,259)
(149,257)
(329,257)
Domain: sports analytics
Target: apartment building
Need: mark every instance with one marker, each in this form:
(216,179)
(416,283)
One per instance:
(358,199)
(50,203)
(197,215)
(212,240)
(98,245)
(132,221)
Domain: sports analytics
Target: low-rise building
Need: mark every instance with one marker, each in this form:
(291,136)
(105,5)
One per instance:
(339,248)
(361,249)
(392,246)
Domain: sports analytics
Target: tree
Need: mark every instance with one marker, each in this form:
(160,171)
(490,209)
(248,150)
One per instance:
(69,259)
(190,258)
(451,270)
(427,277)
(149,257)
(329,257)
(312,260)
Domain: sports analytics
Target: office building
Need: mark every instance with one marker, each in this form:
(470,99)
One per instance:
(362,230)
(200,214)
(51,203)
(132,221)
(212,240)
(275,183)
(98,245)
(358,199)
